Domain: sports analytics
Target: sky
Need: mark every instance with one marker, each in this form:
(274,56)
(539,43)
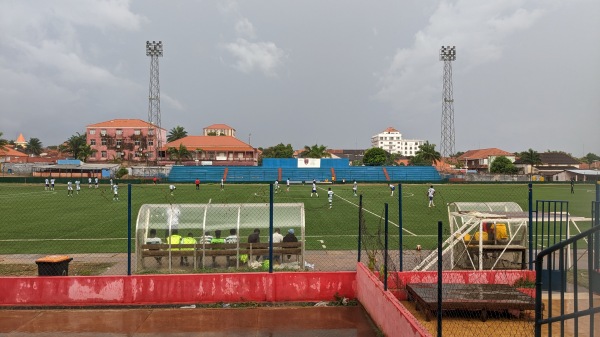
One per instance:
(333,73)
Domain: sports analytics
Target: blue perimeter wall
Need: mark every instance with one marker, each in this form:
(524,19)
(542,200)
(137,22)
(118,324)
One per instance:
(249,174)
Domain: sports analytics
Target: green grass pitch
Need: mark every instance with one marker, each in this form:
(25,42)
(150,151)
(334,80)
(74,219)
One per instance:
(36,221)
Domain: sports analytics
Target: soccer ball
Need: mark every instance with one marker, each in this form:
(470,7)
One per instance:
(418,248)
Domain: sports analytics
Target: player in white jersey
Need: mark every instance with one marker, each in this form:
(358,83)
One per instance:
(314,189)
(96,182)
(222,184)
(90,182)
(172,189)
(69,189)
(52,184)
(330,197)
(115,189)
(77,186)
(430,194)
(392,189)
(276,187)
(47,184)
(355,187)
(287,183)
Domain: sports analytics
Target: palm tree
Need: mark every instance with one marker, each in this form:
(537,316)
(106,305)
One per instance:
(74,145)
(3,142)
(315,151)
(85,152)
(428,153)
(179,153)
(177,132)
(531,158)
(34,146)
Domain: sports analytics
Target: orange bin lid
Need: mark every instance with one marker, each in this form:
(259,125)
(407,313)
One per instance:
(54,259)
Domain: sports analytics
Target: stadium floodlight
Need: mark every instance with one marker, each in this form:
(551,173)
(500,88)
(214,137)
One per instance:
(447,54)
(154,48)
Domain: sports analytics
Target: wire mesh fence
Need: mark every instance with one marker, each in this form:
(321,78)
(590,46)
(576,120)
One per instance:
(99,229)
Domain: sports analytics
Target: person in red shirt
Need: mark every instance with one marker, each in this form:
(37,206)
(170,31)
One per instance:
(197,183)
(154,180)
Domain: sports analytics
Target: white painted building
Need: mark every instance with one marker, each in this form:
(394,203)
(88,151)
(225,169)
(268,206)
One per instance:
(391,141)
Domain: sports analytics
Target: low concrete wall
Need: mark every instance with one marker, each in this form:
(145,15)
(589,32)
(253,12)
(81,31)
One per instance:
(384,308)
(175,289)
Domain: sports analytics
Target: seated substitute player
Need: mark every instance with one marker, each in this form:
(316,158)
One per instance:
(152,239)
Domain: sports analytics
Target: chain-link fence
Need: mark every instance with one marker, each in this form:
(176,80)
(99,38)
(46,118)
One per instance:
(452,230)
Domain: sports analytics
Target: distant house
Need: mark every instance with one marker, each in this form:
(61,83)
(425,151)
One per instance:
(552,163)
(351,155)
(10,155)
(219,130)
(216,150)
(481,160)
(577,175)
(126,139)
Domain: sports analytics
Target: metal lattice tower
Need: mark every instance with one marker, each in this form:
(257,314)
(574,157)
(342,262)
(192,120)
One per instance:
(447,54)
(154,50)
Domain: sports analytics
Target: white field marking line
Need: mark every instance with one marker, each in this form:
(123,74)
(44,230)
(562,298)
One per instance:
(366,210)
(28,193)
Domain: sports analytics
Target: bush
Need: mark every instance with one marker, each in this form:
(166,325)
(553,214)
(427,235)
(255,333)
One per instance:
(121,172)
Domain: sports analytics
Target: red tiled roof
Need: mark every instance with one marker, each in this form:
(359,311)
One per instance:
(220,126)
(484,153)
(211,143)
(390,129)
(122,123)
(11,152)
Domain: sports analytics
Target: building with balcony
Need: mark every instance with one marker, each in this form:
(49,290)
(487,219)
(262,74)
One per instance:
(215,150)
(391,141)
(480,160)
(125,139)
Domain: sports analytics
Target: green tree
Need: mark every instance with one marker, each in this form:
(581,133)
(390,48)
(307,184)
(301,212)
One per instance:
(315,151)
(74,145)
(178,154)
(277,151)
(34,146)
(418,160)
(3,142)
(375,157)
(427,153)
(176,133)
(530,157)
(589,158)
(503,165)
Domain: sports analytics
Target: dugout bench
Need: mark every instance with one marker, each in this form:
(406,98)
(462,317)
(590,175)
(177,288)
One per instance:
(199,251)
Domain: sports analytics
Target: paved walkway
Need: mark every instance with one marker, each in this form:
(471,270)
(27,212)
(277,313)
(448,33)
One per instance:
(264,321)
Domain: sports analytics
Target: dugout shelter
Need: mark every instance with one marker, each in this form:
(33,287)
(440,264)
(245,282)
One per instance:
(199,219)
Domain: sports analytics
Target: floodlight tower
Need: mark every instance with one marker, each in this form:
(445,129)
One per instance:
(154,50)
(447,54)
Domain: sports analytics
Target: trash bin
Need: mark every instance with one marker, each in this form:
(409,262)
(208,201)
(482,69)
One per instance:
(53,265)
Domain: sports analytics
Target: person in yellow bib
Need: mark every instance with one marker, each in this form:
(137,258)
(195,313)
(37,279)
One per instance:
(188,240)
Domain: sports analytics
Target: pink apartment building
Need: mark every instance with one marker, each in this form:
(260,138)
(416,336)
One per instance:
(126,139)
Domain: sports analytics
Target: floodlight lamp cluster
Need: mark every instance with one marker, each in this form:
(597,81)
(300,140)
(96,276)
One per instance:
(154,48)
(448,53)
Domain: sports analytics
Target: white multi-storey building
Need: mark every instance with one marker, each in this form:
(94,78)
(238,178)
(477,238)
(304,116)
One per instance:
(391,141)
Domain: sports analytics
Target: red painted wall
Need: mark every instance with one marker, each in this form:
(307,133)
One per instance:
(385,310)
(166,289)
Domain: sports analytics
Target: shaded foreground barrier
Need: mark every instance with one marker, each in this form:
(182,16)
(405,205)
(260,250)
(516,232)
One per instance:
(384,307)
